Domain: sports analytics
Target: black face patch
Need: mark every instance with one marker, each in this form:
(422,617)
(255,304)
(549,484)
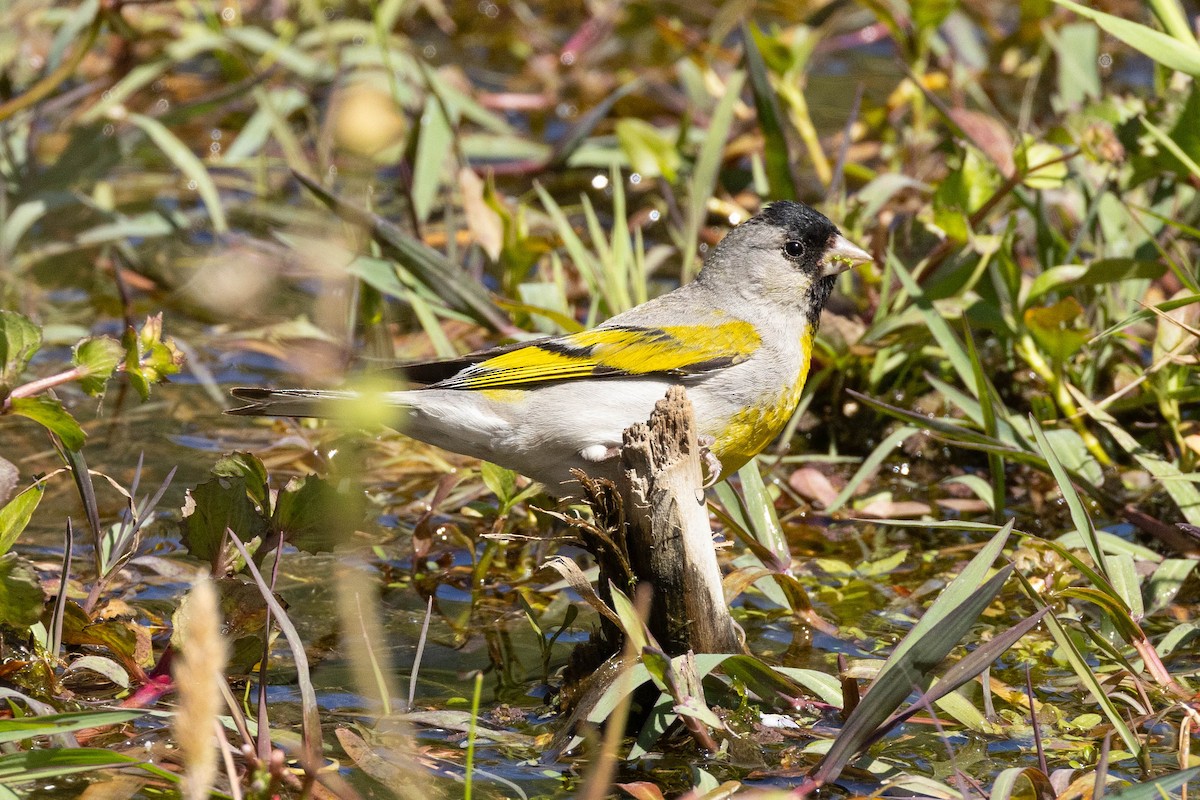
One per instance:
(802,224)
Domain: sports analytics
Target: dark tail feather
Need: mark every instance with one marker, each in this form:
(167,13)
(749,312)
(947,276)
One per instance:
(286,402)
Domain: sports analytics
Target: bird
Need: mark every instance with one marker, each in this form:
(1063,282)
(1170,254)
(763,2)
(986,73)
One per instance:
(739,338)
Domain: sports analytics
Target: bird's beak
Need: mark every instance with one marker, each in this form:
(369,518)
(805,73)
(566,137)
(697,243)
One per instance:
(841,255)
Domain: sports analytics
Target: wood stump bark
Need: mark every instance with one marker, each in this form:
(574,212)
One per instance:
(661,522)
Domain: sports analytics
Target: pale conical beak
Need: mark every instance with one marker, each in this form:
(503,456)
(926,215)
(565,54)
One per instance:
(842,255)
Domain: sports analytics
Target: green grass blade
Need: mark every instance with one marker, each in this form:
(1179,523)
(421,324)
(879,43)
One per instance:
(943,334)
(708,165)
(941,627)
(1079,515)
(17,729)
(446,278)
(1083,671)
(1160,47)
(187,163)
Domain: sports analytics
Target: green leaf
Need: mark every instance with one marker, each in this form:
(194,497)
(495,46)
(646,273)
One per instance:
(651,152)
(50,414)
(45,765)
(214,506)
(19,340)
(910,666)
(248,467)
(21,596)
(15,730)
(1055,328)
(314,516)
(1077,47)
(434,143)
(149,359)
(1102,271)
(1167,50)
(1156,788)
(15,514)
(707,168)
(771,121)
(96,359)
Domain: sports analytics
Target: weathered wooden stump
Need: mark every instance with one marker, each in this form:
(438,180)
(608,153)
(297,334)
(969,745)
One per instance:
(659,534)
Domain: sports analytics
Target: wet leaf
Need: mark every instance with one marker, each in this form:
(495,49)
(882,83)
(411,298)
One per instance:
(106,667)
(214,506)
(314,516)
(50,414)
(19,340)
(251,470)
(15,514)
(96,359)
(21,596)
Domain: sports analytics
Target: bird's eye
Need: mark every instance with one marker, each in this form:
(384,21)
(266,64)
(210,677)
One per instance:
(793,248)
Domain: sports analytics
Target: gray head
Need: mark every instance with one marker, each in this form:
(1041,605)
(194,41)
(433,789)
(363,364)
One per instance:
(788,253)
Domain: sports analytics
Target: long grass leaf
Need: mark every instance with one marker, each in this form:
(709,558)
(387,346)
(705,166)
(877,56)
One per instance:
(777,152)
(943,334)
(188,164)
(708,164)
(1160,47)
(446,278)
(1079,515)
(310,721)
(1083,671)
(940,628)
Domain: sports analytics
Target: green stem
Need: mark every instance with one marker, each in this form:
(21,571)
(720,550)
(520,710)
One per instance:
(1062,398)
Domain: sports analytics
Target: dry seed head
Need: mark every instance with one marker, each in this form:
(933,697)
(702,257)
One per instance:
(199,665)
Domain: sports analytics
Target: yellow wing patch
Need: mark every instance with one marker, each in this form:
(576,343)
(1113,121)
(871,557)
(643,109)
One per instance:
(616,351)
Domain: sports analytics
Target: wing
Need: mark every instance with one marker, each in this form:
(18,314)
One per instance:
(611,352)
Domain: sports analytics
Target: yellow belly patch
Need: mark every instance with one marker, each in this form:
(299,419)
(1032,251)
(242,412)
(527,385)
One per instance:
(752,429)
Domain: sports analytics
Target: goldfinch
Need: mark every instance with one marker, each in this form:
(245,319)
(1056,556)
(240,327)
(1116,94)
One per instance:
(739,338)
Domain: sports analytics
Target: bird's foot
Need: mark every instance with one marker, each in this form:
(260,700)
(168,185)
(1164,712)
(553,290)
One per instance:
(710,464)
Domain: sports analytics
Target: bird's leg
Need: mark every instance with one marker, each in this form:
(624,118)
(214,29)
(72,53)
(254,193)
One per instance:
(712,464)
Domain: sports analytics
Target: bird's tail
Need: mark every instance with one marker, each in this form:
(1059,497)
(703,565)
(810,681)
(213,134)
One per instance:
(290,402)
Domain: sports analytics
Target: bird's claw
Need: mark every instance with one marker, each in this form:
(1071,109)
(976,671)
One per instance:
(711,464)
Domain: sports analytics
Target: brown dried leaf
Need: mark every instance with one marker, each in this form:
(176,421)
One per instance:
(989,135)
(813,485)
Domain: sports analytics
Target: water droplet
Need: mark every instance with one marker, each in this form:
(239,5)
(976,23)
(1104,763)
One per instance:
(429,51)
(191,185)
(108,130)
(654,215)
(599,181)
(228,14)
(635,179)
(215,135)
(1105,60)
(567,58)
